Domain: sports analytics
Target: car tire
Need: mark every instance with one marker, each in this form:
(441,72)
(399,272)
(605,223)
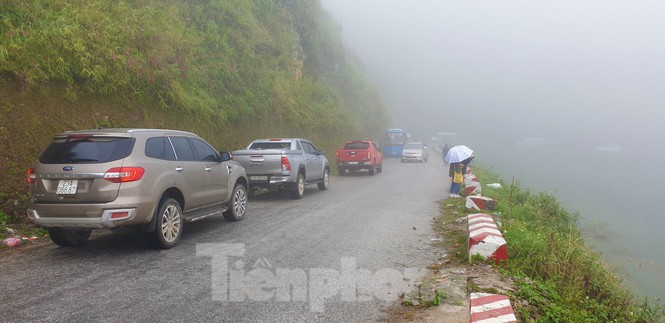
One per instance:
(69,237)
(380,169)
(237,206)
(169,223)
(372,170)
(298,188)
(323,185)
(341,171)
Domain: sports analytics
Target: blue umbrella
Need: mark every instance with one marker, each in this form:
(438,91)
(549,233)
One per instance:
(458,153)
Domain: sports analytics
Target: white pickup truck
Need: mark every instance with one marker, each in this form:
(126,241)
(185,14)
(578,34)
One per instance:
(288,163)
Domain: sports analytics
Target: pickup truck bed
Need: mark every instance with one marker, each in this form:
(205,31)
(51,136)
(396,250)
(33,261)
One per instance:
(358,155)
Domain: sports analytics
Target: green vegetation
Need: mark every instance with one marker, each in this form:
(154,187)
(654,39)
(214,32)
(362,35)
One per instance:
(428,298)
(3,217)
(228,70)
(560,277)
(226,60)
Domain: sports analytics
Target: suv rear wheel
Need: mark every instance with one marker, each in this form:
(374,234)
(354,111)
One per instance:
(298,189)
(169,224)
(69,237)
(237,205)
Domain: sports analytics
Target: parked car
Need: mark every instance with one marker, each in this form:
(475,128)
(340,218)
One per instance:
(357,155)
(154,180)
(288,163)
(414,151)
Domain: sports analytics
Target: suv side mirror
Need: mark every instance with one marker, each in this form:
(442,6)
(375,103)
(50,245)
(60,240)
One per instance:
(322,152)
(225,156)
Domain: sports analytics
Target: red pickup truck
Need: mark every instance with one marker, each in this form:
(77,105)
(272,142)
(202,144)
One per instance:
(357,155)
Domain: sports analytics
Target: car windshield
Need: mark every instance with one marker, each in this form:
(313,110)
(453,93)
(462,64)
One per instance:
(412,145)
(81,150)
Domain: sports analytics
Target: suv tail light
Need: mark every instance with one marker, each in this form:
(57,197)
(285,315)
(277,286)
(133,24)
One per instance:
(124,174)
(32,177)
(286,165)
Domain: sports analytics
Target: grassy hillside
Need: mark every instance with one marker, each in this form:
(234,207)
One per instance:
(229,70)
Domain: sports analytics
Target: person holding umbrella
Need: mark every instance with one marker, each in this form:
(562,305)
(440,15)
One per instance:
(457,179)
(455,156)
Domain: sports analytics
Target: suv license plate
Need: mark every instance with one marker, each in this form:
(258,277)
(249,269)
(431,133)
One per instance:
(67,187)
(259,178)
(353,163)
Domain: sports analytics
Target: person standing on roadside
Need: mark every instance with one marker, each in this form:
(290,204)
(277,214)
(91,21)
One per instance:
(457,178)
(445,152)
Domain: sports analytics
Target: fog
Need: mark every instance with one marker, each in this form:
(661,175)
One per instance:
(578,74)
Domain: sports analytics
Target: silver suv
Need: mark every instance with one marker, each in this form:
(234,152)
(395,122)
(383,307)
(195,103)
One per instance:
(151,179)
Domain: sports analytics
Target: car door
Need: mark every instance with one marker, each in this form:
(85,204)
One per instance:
(216,175)
(188,172)
(377,154)
(313,160)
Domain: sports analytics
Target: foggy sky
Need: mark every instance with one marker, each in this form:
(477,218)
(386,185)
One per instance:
(584,73)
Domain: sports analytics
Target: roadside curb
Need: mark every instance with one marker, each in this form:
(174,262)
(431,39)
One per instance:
(472,188)
(479,203)
(485,239)
(471,184)
(485,307)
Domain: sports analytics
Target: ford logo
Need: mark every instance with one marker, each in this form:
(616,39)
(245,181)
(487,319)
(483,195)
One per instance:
(68,168)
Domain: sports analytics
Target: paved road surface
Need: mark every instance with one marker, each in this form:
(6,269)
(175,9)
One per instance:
(368,220)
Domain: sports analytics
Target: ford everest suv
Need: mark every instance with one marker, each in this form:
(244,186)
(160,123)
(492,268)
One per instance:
(151,179)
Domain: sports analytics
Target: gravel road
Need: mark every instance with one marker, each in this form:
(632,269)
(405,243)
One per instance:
(338,255)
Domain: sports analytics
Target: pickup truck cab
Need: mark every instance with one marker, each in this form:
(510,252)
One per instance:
(289,163)
(357,155)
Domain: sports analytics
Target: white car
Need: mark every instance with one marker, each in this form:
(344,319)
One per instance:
(414,151)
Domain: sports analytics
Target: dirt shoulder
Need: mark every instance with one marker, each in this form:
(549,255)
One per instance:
(443,296)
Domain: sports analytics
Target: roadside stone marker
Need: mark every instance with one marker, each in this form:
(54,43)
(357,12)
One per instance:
(472,188)
(480,203)
(485,239)
(487,308)
(468,178)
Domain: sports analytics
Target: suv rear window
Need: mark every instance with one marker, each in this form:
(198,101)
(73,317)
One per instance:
(271,145)
(84,150)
